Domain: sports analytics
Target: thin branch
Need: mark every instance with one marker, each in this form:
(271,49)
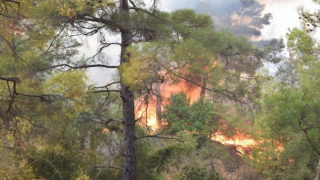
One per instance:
(79,67)
(32,122)
(161,137)
(55,37)
(238,53)
(132,3)
(107,91)
(90,18)
(150,14)
(105,122)
(12,79)
(13,50)
(104,45)
(42,97)
(212,90)
(5,15)
(107,85)
(47,162)
(106,165)
(112,167)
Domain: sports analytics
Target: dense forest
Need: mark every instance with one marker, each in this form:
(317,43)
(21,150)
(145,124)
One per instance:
(189,98)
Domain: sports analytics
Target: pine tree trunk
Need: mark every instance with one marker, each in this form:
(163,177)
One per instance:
(130,146)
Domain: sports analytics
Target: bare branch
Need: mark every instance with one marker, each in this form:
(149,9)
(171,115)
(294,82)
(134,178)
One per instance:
(106,165)
(112,167)
(132,3)
(149,13)
(12,79)
(222,92)
(238,53)
(79,67)
(91,18)
(104,45)
(107,91)
(102,121)
(157,136)
(44,97)
(55,37)
(107,85)
(13,49)
(32,122)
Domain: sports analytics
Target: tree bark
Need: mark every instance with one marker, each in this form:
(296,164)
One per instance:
(130,146)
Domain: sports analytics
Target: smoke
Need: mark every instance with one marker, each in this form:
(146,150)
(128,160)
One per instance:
(246,20)
(243,19)
(285,16)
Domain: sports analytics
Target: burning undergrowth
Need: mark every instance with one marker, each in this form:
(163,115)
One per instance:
(149,112)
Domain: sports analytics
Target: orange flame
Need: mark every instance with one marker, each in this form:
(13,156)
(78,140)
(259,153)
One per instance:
(241,141)
(167,90)
(147,112)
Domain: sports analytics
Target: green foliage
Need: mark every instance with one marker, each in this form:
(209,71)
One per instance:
(195,173)
(289,116)
(60,161)
(202,117)
(180,115)
(186,21)
(177,114)
(71,85)
(159,160)
(301,43)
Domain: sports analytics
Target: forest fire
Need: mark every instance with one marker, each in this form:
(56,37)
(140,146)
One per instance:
(147,114)
(240,141)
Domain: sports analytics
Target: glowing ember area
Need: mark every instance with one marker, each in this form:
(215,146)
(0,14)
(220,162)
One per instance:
(242,142)
(147,112)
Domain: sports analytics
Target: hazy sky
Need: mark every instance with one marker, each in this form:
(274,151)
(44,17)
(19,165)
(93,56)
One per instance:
(284,16)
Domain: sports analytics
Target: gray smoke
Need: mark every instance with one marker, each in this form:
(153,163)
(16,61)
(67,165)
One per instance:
(245,20)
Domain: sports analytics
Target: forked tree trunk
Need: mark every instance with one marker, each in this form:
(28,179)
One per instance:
(130,146)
